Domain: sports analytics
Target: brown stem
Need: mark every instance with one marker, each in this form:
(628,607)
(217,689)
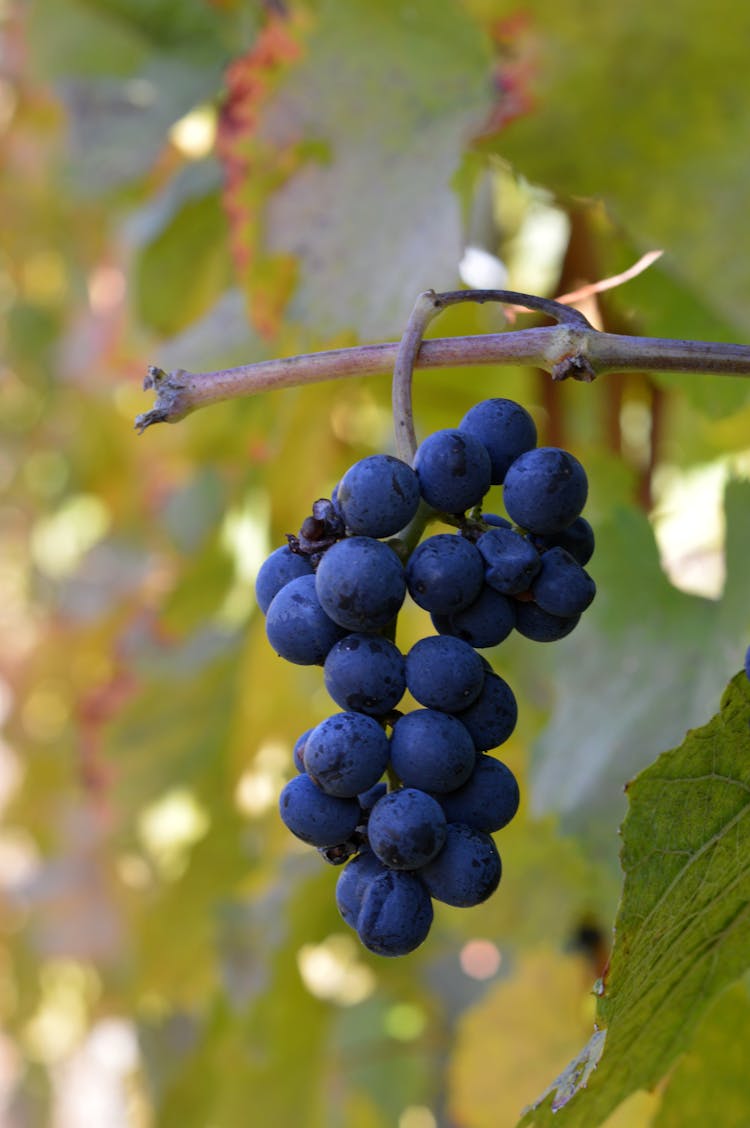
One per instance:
(569,349)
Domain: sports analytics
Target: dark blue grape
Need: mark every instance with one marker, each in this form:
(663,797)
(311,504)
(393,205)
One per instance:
(313,816)
(511,560)
(299,750)
(378,495)
(406,828)
(496,521)
(276,571)
(466,871)
(492,717)
(538,625)
(297,627)
(454,470)
(368,799)
(352,882)
(396,914)
(545,490)
(487,801)
(487,622)
(366,674)
(431,751)
(562,587)
(444,673)
(445,573)
(577,539)
(346,754)
(502,426)
(360,583)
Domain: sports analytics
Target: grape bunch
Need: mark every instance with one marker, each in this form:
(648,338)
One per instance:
(407,801)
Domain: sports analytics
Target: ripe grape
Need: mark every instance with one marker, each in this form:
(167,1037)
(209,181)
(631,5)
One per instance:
(467,869)
(562,586)
(377,496)
(492,717)
(346,754)
(406,828)
(297,627)
(360,583)
(545,490)
(431,751)
(577,539)
(540,626)
(454,470)
(445,573)
(444,673)
(352,882)
(487,801)
(395,915)
(315,817)
(487,622)
(365,673)
(276,571)
(504,428)
(511,560)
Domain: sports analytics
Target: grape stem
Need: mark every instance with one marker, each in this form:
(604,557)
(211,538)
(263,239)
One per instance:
(571,348)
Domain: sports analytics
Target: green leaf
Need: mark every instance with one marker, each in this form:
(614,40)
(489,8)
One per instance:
(709,1084)
(370,216)
(621,112)
(183,270)
(682,933)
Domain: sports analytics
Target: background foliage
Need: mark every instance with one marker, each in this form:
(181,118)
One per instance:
(202,183)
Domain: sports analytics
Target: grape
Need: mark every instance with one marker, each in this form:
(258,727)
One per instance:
(346,754)
(297,627)
(492,717)
(365,673)
(562,587)
(487,622)
(444,673)
(466,871)
(431,750)
(511,560)
(445,573)
(545,490)
(360,583)
(368,799)
(299,750)
(496,521)
(406,828)
(454,470)
(577,539)
(353,881)
(313,816)
(276,571)
(378,496)
(538,625)
(487,801)
(502,426)
(396,914)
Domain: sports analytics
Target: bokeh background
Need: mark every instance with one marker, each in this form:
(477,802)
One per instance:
(201,183)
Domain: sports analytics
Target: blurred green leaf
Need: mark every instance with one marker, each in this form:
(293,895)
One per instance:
(625,116)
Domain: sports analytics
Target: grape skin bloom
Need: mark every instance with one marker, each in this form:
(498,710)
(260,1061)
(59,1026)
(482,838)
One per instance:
(360,583)
(377,496)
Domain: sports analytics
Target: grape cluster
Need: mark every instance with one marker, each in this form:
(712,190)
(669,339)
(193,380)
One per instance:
(408,801)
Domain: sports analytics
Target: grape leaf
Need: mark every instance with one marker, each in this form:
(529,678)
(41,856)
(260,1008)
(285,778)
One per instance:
(709,1084)
(358,170)
(675,175)
(682,933)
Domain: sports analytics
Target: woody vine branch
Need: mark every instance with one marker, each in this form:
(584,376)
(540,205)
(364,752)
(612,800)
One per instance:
(571,348)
